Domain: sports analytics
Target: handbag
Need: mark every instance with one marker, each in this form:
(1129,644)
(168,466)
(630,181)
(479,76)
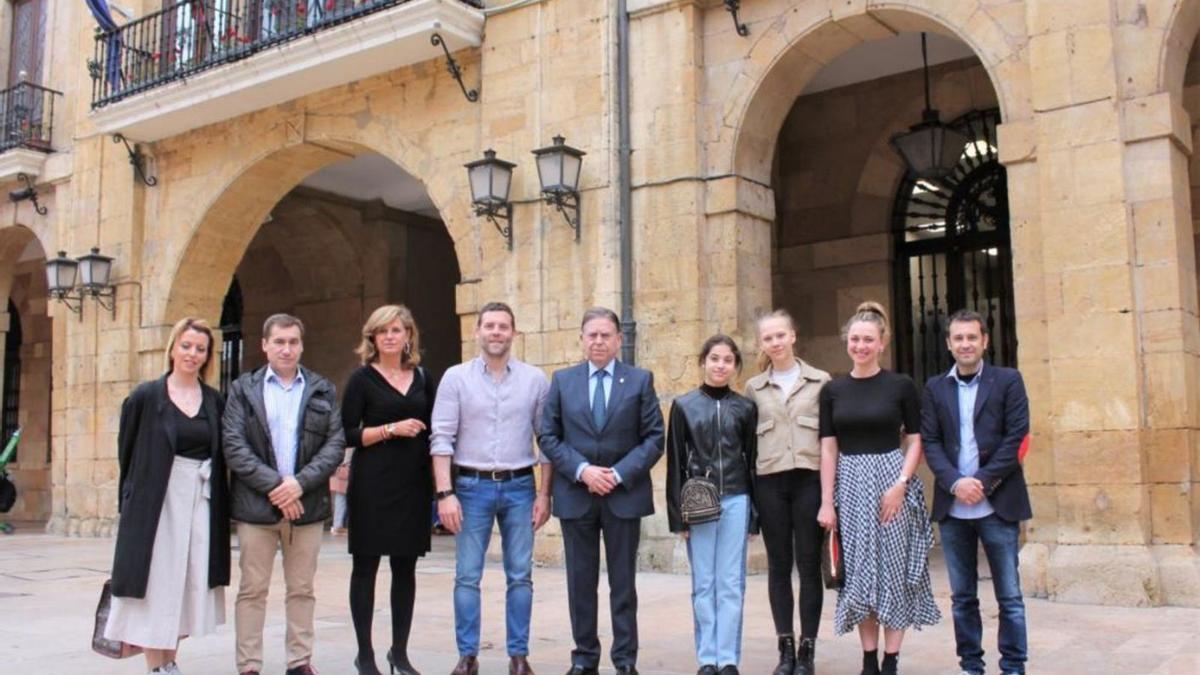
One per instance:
(113,649)
(833,567)
(699,499)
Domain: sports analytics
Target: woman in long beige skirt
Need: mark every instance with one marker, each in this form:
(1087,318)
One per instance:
(172,554)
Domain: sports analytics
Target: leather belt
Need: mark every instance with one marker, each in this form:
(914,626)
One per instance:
(495,475)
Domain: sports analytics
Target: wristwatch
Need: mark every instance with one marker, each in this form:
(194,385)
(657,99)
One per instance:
(902,479)
(442,494)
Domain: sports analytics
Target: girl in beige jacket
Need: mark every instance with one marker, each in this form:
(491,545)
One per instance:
(787,393)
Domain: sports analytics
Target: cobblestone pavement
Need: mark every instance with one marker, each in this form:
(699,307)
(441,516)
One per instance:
(49,586)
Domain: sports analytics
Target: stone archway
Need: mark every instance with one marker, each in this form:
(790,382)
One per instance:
(1178,34)
(793,44)
(835,182)
(207,253)
(26,350)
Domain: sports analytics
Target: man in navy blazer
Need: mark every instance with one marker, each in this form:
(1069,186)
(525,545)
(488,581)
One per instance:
(602,429)
(973,421)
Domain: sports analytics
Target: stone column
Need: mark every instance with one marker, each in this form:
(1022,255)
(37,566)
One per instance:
(96,361)
(1108,346)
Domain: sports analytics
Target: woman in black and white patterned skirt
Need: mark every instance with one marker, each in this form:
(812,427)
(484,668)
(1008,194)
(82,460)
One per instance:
(877,504)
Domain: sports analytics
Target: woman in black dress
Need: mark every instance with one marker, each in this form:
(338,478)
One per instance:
(386,411)
(880,504)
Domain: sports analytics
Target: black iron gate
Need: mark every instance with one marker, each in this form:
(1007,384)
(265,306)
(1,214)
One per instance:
(953,252)
(231,336)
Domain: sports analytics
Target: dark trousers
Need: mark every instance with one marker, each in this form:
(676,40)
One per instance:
(581,546)
(1001,544)
(787,513)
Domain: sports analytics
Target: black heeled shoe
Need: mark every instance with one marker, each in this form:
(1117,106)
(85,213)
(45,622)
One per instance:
(366,666)
(400,664)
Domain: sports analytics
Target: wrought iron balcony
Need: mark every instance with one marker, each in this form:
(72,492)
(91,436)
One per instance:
(27,117)
(193,36)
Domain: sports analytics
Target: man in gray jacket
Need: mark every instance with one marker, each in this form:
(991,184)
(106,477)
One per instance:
(283,438)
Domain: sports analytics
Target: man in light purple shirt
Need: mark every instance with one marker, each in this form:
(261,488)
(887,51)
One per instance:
(484,420)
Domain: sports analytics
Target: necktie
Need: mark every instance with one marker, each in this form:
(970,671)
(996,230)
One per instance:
(599,408)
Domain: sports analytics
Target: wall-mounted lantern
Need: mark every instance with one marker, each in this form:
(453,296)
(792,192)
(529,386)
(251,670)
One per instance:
(491,180)
(93,272)
(930,148)
(558,171)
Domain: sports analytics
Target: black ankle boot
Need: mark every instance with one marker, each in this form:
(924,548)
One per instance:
(871,662)
(891,664)
(787,656)
(806,652)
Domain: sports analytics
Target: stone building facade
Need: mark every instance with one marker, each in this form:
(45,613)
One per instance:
(761,176)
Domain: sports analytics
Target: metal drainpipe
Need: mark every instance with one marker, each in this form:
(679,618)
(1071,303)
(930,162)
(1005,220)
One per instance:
(625,189)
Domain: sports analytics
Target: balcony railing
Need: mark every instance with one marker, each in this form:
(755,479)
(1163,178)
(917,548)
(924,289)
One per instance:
(27,117)
(194,35)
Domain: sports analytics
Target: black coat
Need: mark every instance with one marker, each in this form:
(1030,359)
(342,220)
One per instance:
(1001,423)
(146,450)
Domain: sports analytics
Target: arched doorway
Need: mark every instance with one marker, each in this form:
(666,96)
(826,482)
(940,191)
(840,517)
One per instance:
(852,224)
(354,233)
(26,387)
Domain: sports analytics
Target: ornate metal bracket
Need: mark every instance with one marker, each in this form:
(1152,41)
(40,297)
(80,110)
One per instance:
(137,160)
(503,212)
(455,72)
(732,6)
(566,203)
(30,193)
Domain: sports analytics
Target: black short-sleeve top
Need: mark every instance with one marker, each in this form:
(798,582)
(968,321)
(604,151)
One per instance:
(868,415)
(193,438)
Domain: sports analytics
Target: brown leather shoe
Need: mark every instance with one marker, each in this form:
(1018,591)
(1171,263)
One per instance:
(519,665)
(467,665)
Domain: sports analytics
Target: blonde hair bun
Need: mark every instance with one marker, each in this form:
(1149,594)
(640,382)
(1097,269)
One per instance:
(872,307)
(869,311)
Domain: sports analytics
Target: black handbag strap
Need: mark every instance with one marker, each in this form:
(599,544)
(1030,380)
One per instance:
(688,470)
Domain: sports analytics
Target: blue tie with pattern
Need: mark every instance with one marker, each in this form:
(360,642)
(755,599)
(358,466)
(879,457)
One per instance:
(599,408)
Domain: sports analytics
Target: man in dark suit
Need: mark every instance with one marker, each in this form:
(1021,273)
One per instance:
(603,431)
(973,421)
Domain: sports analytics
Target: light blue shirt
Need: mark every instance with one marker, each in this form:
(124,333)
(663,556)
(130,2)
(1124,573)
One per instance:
(968,449)
(282,404)
(608,383)
(488,424)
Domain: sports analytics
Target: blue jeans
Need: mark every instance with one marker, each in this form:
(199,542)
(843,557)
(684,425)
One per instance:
(483,502)
(1001,543)
(339,510)
(717,552)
